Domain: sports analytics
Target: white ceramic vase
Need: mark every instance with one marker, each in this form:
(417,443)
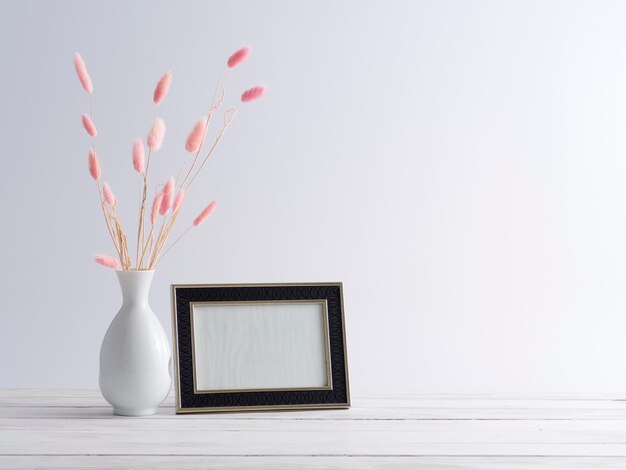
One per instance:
(135,354)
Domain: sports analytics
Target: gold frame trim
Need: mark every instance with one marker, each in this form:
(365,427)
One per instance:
(216,409)
(326,333)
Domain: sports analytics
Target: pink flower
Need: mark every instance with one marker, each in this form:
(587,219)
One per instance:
(138,156)
(238,57)
(89,126)
(94,165)
(162,87)
(156,205)
(108,194)
(107,261)
(208,210)
(81,71)
(253,93)
(157,133)
(179,199)
(194,140)
(168,188)
(166,202)
(168,191)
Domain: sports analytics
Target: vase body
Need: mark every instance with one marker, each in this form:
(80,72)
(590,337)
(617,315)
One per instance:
(135,354)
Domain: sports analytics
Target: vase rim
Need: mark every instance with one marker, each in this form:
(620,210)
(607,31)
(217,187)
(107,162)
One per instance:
(135,270)
(134,273)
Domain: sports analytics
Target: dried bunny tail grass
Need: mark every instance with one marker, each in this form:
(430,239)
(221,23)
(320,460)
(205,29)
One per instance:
(168,192)
(107,261)
(81,71)
(108,194)
(253,93)
(157,133)
(168,188)
(89,126)
(205,214)
(138,156)
(180,197)
(194,140)
(156,205)
(238,57)
(166,202)
(160,92)
(94,165)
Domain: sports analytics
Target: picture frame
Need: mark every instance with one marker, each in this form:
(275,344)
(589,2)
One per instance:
(249,347)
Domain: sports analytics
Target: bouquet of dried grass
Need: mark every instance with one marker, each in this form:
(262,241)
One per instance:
(154,229)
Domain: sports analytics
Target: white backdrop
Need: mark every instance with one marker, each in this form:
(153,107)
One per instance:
(459,165)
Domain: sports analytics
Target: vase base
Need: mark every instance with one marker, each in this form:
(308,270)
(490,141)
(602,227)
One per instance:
(135,411)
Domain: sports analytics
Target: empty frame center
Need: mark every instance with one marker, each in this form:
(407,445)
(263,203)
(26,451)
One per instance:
(260,345)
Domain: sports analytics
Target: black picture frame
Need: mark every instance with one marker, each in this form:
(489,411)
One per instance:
(337,395)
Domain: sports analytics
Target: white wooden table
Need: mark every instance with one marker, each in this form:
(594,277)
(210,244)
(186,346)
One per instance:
(76,429)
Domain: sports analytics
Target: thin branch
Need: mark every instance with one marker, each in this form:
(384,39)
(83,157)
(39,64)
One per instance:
(140,228)
(164,238)
(214,107)
(174,243)
(228,119)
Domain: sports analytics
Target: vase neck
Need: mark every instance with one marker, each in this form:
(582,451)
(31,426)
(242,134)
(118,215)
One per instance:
(135,286)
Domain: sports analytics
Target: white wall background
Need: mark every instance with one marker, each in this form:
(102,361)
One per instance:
(459,165)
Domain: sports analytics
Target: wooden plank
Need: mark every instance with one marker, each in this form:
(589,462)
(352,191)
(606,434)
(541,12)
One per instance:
(147,462)
(391,400)
(542,431)
(49,392)
(17,392)
(95,399)
(76,429)
(337,442)
(86,411)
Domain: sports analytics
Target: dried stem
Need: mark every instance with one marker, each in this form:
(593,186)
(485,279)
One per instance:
(142,210)
(107,220)
(148,243)
(228,119)
(174,242)
(157,245)
(214,107)
(163,239)
(164,235)
(111,218)
(123,243)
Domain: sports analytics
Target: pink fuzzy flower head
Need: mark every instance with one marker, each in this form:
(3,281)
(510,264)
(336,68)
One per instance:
(89,126)
(208,210)
(166,202)
(168,188)
(138,156)
(109,197)
(107,261)
(253,93)
(157,133)
(156,205)
(179,200)
(81,71)
(194,140)
(94,165)
(162,87)
(168,193)
(238,57)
